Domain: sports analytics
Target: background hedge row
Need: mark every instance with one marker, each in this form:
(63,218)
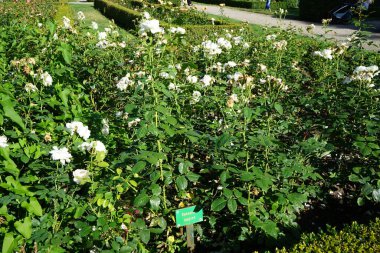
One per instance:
(128,19)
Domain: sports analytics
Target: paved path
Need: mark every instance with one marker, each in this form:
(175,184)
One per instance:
(339,32)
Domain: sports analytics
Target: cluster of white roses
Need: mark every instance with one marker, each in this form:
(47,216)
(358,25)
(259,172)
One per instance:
(325,53)
(103,37)
(63,155)
(364,74)
(212,49)
(124,82)
(149,26)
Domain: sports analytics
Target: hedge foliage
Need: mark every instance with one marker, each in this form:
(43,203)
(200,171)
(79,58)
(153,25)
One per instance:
(121,15)
(127,17)
(354,238)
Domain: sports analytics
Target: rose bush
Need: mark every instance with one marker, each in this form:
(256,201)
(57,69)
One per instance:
(102,138)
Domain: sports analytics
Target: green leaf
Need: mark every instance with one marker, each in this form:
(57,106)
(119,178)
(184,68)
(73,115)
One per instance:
(247,176)
(270,228)
(144,235)
(171,120)
(218,204)
(278,108)
(360,201)
(79,211)
(141,200)
(243,201)
(227,193)
(9,165)
(297,198)
(64,96)
(156,189)
(9,243)
(232,205)
(155,202)
(181,182)
(33,207)
(66,51)
(139,166)
(162,222)
(192,176)
(9,111)
(24,228)
(103,164)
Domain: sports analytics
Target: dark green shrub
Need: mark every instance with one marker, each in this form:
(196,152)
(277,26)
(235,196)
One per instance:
(353,238)
(126,17)
(317,9)
(121,15)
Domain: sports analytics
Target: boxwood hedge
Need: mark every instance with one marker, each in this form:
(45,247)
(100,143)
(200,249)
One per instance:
(353,238)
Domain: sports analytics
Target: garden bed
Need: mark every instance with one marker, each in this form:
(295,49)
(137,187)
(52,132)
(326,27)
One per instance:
(104,136)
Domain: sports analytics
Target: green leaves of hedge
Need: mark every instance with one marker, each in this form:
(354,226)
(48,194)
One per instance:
(24,228)
(9,111)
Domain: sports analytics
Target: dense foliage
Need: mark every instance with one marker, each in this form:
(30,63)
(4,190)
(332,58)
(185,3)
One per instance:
(102,138)
(353,238)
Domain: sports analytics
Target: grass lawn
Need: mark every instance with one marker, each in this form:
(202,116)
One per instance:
(92,14)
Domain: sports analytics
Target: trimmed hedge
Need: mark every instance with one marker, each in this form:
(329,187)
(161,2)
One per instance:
(354,238)
(122,16)
(128,19)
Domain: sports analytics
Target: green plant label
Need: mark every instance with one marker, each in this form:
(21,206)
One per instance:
(188,215)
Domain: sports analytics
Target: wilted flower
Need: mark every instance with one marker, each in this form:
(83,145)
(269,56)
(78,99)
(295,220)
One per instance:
(66,22)
(46,78)
(29,87)
(123,226)
(280,45)
(79,128)
(80,15)
(134,122)
(326,22)
(62,155)
(47,137)
(81,176)
(3,141)
(106,127)
(262,67)
(310,28)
